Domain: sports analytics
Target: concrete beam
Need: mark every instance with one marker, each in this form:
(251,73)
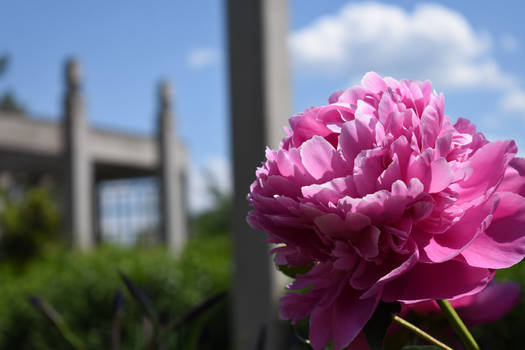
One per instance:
(22,134)
(123,149)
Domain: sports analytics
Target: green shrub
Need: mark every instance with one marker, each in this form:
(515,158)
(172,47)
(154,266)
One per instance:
(81,287)
(217,220)
(27,224)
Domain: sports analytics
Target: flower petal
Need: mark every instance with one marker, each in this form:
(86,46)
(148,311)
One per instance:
(447,280)
(491,304)
(350,315)
(457,238)
(503,242)
(489,164)
(320,159)
(320,327)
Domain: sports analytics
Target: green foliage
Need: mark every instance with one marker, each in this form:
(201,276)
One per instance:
(215,221)
(8,101)
(27,224)
(82,287)
(293,271)
(3,64)
(376,328)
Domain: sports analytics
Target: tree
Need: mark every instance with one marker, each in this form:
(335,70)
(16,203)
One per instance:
(8,101)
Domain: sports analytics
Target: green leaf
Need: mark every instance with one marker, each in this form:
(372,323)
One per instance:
(293,271)
(141,298)
(376,327)
(199,309)
(4,60)
(56,319)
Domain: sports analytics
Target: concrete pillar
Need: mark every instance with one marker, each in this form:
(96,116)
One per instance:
(171,191)
(260,106)
(77,162)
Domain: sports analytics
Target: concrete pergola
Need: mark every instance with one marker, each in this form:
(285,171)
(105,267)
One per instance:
(80,157)
(260,103)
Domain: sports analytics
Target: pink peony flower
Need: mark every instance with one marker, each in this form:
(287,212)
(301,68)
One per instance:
(387,200)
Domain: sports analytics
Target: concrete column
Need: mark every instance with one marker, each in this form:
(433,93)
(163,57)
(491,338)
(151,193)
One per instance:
(77,162)
(171,191)
(260,106)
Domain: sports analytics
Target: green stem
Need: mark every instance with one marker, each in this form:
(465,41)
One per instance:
(421,333)
(461,330)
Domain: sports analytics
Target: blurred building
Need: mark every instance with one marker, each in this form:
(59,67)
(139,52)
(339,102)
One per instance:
(115,186)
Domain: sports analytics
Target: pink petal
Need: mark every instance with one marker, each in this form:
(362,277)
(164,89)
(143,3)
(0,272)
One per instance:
(442,175)
(367,168)
(457,238)
(402,268)
(373,82)
(357,221)
(385,109)
(350,316)
(320,158)
(320,327)
(401,149)
(390,175)
(335,96)
(503,243)
(491,304)
(514,179)
(330,191)
(332,225)
(355,137)
(443,144)
(430,126)
(359,343)
(419,168)
(352,95)
(488,164)
(367,242)
(305,126)
(450,279)
(295,306)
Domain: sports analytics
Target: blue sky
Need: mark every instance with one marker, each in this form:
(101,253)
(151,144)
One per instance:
(473,52)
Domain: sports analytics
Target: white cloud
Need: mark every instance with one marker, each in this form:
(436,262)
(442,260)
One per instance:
(514,101)
(201,57)
(217,170)
(431,42)
(509,43)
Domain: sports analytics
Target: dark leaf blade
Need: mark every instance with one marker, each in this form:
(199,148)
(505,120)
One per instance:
(141,298)
(376,327)
(199,309)
(56,319)
(118,306)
